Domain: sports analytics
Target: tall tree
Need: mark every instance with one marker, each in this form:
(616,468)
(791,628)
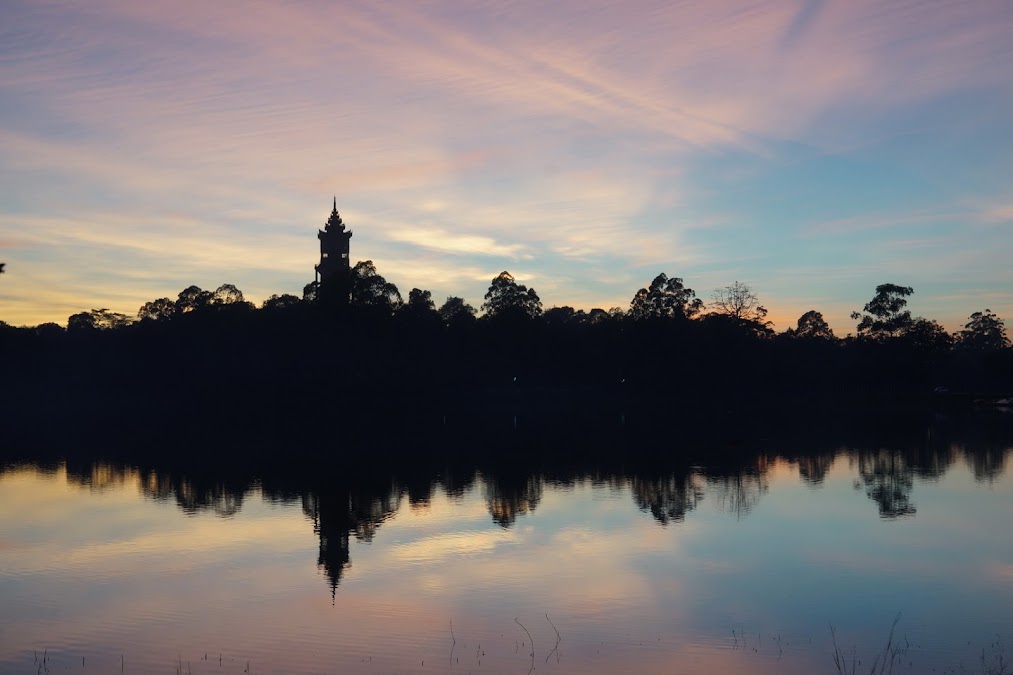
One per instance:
(508,299)
(926,335)
(311,291)
(885,315)
(81,321)
(560,316)
(227,294)
(984,331)
(455,312)
(666,298)
(193,299)
(812,326)
(738,301)
(277,303)
(97,319)
(370,289)
(156,310)
(420,306)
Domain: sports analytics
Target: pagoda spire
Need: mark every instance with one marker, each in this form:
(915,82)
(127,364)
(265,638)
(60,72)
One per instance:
(335,220)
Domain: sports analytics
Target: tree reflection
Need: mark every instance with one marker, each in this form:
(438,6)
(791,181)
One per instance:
(193,495)
(509,497)
(888,480)
(100,476)
(813,469)
(739,493)
(351,498)
(193,498)
(738,487)
(668,498)
(987,463)
(367,510)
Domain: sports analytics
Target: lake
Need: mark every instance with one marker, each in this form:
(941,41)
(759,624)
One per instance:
(763,558)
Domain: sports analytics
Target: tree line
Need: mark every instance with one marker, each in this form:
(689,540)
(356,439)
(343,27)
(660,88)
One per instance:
(736,307)
(667,357)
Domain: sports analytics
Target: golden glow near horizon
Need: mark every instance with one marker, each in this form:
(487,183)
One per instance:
(812,150)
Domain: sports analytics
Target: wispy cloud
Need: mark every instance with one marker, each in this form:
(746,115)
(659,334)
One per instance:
(998,214)
(441,240)
(883,221)
(563,139)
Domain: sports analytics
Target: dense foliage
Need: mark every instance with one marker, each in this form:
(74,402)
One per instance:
(212,354)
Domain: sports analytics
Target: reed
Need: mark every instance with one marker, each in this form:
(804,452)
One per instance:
(532,641)
(881,665)
(558,640)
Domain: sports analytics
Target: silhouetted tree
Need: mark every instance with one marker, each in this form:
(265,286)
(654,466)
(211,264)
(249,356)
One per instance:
(984,331)
(666,298)
(97,319)
(2,265)
(280,302)
(739,302)
(560,316)
(885,315)
(736,310)
(311,291)
(156,310)
(48,330)
(192,299)
(420,306)
(81,321)
(926,336)
(812,326)
(227,294)
(507,299)
(455,312)
(369,289)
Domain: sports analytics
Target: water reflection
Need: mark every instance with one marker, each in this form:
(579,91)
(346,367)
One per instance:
(511,495)
(813,469)
(669,497)
(341,505)
(888,480)
(316,566)
(987,464)
(192,492)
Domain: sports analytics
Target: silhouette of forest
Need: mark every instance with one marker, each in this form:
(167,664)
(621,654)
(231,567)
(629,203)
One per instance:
(353,355)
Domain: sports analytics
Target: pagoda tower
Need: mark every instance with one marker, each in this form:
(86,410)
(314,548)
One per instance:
(333,238)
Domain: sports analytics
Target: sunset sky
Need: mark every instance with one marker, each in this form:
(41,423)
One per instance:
(810,149)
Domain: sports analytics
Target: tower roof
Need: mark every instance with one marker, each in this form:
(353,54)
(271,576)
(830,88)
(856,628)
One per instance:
(335,222)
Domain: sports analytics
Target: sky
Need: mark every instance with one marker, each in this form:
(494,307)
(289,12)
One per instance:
(812,150)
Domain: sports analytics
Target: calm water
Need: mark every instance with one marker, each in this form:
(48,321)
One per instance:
(739,569)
